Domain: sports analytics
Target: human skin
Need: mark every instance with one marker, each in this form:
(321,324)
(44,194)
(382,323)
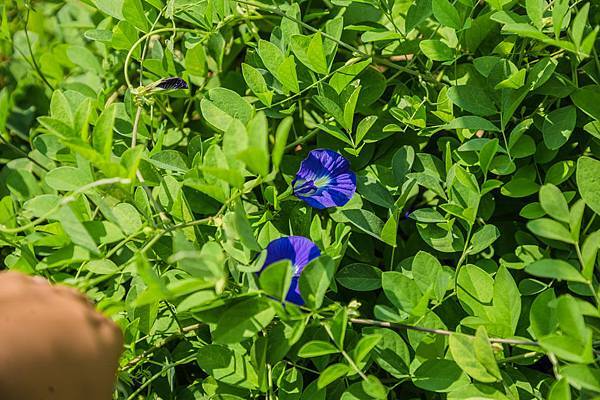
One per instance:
(53,343)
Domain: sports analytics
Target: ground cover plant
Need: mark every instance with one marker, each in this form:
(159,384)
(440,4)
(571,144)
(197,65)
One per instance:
(323,199)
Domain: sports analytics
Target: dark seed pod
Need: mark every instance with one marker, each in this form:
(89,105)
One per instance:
(172,83)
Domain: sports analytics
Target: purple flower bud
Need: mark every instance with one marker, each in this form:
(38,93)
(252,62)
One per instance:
(172,83)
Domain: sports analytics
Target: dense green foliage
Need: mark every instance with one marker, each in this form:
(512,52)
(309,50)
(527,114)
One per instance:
(463,267)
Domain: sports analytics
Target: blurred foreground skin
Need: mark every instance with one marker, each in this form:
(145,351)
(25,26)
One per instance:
(53,343)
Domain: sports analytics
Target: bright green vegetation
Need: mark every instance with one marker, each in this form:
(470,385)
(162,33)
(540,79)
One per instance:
(463,267)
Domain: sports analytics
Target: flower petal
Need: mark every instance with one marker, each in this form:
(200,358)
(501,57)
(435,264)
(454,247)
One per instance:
(322,163)
(172,83)
(298,249)
(324,180)
(294,295)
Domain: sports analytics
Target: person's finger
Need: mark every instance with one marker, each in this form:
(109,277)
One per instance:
(13,276)
(39,280)
(73,293)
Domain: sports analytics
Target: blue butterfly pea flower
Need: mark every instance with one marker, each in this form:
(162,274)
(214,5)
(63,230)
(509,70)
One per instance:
(324,180)
(300,251)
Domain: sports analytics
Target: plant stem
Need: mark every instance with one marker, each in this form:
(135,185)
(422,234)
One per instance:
(66,200)
(33,61)
(444,332)
(136,123)
(518,357)
(346,356)
(146,353)
(302,139)
(159,373)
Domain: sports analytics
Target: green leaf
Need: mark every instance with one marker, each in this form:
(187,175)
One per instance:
(436,50)
(559,11)
(439,375)
(133,12)
(550,229)
(483,238)
(99,35)
(520,187)
(111,7)
(102,267)
(578,26)
(67,178)
(587,99)
(568,348)
(309,50)
(475,283)
(281,136)
(374,388)
(589,251)
(227,366)
(486,155)
(515,81)
(170,160)
(60,108)
(128,217)
(472,99)
(224,106)
(364,347)
(270,55)
(588,182)
(316,54)
(346,74)
(256,82)
(417,13)
(582,377)
(402,162)
(593,128)
(243,320)
(554,203)
(389,232)
(507,303)
(535,11)
(542,315)
(276,279)
(446,14)
(256,156)
(75,230)
(558,126)
(560,390)
(316,348)
(195,60)
(555,269)
(570,319)
(349,107)
(363,127)
(84,58)
(391,352)
(474,355)
(286,74)
(103,132)
(472,123)
(315,280)
(365,220)
(331,374)
(401,291)
(428,273)
(359,277)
